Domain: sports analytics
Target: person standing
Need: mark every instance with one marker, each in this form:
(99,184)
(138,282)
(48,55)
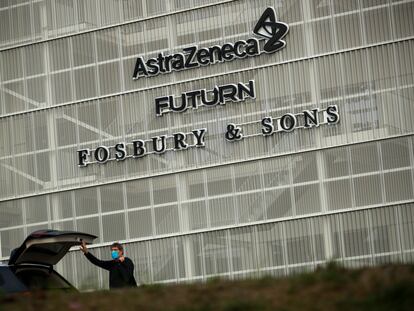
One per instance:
(121,268)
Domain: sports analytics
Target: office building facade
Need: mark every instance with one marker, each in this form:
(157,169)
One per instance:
(214,138)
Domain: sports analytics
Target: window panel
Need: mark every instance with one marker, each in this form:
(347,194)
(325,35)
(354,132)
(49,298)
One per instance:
(194,215)
(395,153)
(338,194)
(86,201)
(114,227)
(91,226)
(398,186)
(222,212)
(137,193)
(278,203)
(367,190)
(307,199)
(166,219)
(215,252)
(61,205)
(10,239)
(11,213)
(356,234)
(140,223)
(112,197)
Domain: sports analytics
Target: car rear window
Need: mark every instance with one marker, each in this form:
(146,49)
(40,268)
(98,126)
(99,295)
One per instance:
(42,279)
(9,283)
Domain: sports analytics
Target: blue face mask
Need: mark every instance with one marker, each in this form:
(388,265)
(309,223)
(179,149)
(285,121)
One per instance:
(115,254)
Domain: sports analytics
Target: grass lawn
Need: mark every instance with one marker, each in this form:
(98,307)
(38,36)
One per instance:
(331,288)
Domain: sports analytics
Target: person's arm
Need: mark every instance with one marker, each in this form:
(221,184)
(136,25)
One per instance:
(105,264)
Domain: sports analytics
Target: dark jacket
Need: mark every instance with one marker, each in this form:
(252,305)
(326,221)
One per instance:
(121,274)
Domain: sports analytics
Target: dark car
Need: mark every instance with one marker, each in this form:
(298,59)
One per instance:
(30,266)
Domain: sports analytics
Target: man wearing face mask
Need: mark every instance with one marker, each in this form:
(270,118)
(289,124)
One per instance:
(121,268)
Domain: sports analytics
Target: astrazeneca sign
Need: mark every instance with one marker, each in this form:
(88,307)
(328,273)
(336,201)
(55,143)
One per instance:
(268,29)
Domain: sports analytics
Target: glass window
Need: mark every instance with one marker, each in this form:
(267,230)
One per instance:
(114,227)
(222,212)
(247,176)
(194,215)
(61,88)
(85,82)
(304,167)
(34,59)
(141,255)
(61,205)
(320,8)
(348,30)
(165,189)
(341,6)
(403,19)
(243,249)
(215,252)
(138,193)
(89,225)
(112,197)
(278,203)
(322,36)
(338,194)
(407,226)
(395,153)
(109,78)
(276,172)
(166,219)
(107,44)
(219,181)
(163,254)
(59,54)
(356,234)
(398,186)
(336,162)
(11,213)
(384,232)
(307,199)
(250,207)
(367,190)
(36,92)
(190,256)
(270,246)
(83,49)
(10,240)
(377,25)
(298,241)
(382,67)
(364,158)
(140,223)
(132,38)
(86,201)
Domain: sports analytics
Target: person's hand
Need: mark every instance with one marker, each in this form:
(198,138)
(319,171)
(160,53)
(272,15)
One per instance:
(83,247)
(121,259)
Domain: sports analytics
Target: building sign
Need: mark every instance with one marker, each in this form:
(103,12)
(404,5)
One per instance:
(205,98)
(267,29)
(240,92)
(140,148)
(288,122)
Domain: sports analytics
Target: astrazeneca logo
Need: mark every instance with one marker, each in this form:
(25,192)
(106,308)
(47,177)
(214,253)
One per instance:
(267,29)
(273,31)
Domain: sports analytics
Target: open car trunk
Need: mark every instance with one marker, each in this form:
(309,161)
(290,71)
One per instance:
(47,247)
